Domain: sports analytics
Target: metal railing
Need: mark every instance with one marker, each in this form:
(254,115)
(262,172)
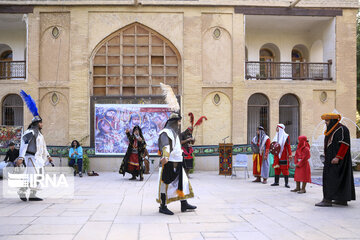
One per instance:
(12,70)
(255,70)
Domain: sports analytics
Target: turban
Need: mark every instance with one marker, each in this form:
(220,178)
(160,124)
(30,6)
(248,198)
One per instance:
(328,116)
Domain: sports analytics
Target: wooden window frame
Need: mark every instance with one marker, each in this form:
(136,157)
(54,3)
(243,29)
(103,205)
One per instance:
(3,110)
(144,59)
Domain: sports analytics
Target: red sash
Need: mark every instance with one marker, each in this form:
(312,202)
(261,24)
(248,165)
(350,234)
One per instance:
(188,155)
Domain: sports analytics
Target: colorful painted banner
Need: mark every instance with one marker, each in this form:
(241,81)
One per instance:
(112,120)
(10,134)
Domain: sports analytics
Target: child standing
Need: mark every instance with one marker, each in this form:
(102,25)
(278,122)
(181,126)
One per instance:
(302,170)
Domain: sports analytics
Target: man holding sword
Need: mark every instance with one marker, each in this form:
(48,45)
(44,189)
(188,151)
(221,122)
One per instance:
(173,182)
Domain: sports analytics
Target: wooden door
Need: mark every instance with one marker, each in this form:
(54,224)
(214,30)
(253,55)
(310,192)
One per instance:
(5,64)
(298,65)
(267,67)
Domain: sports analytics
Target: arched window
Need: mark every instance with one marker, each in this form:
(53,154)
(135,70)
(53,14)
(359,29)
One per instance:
(258,114)
(5,64)
(6,56)
(269,55)
(299,55)
(12,110)
(296,56)
(133,62)
(267,70)
(289,116)
(266,55)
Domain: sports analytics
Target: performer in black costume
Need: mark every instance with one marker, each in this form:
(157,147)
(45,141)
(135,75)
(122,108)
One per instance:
(338,179)
(173,183)
(133,160)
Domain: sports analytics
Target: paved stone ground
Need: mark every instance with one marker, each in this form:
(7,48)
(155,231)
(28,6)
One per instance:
(112,207)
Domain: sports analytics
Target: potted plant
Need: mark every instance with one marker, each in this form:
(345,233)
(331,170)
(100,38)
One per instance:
(86,163)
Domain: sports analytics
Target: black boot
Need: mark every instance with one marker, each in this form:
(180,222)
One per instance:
(276,183)
(163,208)
(185,206)
(33,197)
(342,203)
(141,176)
(133,177)
(286,181)
(324,203)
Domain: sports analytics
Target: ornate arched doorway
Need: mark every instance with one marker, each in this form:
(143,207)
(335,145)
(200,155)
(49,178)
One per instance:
(129,65)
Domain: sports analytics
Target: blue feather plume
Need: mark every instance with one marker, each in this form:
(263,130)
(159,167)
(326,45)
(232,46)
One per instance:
(30,103)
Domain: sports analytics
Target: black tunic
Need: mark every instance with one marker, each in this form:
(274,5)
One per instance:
(338,179)
(11,155)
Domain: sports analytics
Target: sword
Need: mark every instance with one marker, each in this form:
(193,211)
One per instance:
(33,165)
(148,179)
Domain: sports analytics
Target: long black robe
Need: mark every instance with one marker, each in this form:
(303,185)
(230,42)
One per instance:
(141,149)
(338,179)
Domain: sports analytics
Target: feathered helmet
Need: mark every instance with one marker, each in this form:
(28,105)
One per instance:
(198,122)
(172,102)
(174,116)
(30,103)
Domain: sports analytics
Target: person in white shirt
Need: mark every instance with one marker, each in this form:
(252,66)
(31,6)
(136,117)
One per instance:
(34,153)
(174,184)
(33,150)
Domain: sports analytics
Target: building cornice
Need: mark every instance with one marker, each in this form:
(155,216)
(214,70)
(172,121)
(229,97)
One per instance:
(287,11)
(192,3)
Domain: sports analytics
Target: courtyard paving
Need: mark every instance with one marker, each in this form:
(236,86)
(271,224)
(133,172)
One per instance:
(112,207)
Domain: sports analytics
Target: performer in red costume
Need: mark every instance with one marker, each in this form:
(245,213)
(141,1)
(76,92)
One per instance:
(281,160)
(302,170)
(187,141)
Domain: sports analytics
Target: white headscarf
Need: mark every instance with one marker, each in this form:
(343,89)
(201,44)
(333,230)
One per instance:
(281,137)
